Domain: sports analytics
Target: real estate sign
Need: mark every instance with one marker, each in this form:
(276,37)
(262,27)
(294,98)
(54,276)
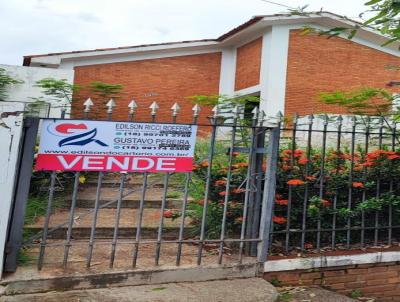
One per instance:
(81,145)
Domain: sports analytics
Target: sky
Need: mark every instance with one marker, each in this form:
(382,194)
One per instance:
(42,26)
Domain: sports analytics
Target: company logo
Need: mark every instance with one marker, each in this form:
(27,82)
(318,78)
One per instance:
(74,134)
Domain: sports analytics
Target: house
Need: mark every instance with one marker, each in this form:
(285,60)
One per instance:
(268,56)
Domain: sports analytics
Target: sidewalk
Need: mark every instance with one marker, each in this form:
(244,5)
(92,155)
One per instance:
(237,290)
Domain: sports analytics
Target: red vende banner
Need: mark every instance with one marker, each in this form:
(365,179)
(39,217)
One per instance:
(81,145)
(107,163)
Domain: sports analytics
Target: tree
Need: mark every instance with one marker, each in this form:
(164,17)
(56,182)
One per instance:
(60,91)
(381,15)
(5,82)
(105,91)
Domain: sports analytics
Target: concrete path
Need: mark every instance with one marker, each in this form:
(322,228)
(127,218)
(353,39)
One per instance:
(237,290)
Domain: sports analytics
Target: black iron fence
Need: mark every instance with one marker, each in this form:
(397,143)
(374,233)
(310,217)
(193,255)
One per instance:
(218,210)
(258,185)
(337,185)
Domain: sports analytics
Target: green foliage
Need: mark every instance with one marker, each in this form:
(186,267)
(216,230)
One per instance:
(285,296)
(227,103)
(275,282)
(35,207)
(59,91)
(355,294)
(382,15)
(23,258)
(105,91)
(365,100)
(217,190)
(174,194)
(5,82)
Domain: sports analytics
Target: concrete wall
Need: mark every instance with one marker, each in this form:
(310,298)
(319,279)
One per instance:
(23,93)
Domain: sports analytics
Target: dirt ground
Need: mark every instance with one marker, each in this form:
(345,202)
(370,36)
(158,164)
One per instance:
(314,294)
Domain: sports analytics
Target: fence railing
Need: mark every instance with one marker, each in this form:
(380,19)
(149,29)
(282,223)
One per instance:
(258,185)
(221,202)
(337,184)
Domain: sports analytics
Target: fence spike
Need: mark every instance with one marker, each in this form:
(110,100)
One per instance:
(340,119)
(310,119)
(132,106)
(354,120)
(255,113)
(175,109)
(279,116)
(88,103)
(215,110)
(295,118)
(154,107)
(110,105)
(236,111)
(325,119)
(261,118)
(196,110)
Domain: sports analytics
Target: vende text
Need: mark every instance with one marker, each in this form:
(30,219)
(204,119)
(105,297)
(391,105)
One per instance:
(108,163)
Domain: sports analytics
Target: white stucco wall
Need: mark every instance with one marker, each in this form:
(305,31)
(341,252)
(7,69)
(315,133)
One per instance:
(23,93)
(10,137)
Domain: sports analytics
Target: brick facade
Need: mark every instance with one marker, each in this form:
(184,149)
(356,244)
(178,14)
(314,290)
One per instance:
(171,79)
(317,64)
(248,63)
(381,281)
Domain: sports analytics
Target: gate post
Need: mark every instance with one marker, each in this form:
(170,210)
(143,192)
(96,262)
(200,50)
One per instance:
(269,195)
(23,180)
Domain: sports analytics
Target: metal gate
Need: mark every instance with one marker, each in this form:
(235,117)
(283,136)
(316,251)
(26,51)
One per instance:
(218,213)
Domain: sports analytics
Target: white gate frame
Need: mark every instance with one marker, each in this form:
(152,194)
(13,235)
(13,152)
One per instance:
(11,130)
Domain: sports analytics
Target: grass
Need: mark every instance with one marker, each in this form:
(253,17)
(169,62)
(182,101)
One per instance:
(285,296)
(355,294)
(23,258)
(174,194)
(35,207)
(275,282)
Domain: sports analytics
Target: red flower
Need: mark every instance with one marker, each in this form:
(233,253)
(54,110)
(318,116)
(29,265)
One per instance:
(168,214)
(358,184)
(326,203)
(368,164)
(303,161)
(393,156)
(308,245)
(204,163)
(358,167)
(234,154)
(311,178)
(278,196)
(279,219)
(282,202)
(223,193)
(295,182)
(238,190)
(220,182)
(297,153)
